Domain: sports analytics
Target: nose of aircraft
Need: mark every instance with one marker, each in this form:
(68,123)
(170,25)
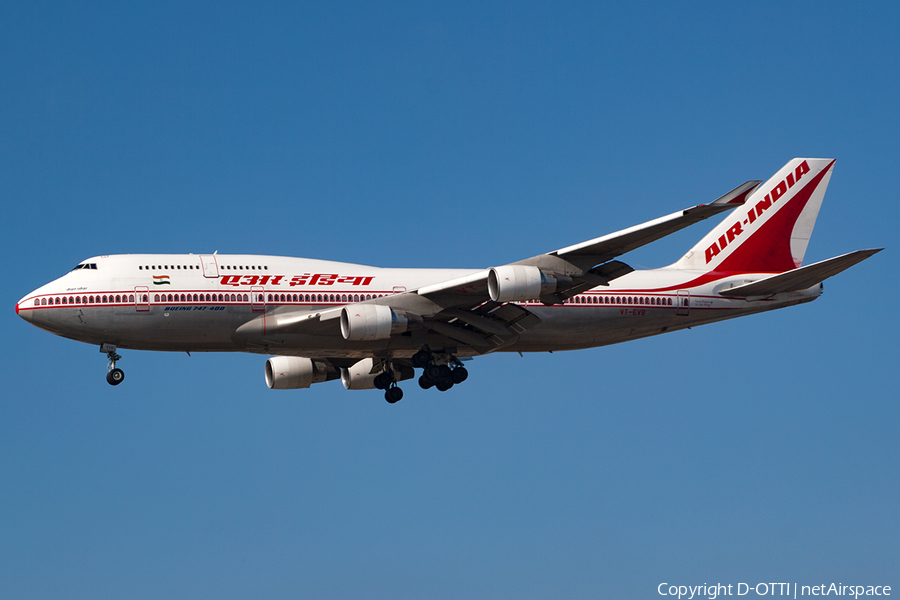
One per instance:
(22,308)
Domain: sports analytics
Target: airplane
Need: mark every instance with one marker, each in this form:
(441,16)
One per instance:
(372,327)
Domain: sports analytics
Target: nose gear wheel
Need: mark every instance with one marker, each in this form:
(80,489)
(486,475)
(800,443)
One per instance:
(114,376)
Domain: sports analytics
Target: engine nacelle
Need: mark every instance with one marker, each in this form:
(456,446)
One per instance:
(360,377)
(294,372)
(365,322)
(512,283)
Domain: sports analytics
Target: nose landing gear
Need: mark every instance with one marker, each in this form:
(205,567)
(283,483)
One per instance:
(114,376)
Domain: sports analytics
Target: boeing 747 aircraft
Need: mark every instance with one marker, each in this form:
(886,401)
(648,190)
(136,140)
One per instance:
(372,327)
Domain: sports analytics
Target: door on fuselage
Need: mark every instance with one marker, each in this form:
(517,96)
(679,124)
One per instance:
(210,267)
(683,308)
(257,299)
(141,298)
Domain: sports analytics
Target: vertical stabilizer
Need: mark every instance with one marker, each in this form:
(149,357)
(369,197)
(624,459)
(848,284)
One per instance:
(770,232)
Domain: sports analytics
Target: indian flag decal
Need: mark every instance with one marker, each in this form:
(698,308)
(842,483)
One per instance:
(161,280)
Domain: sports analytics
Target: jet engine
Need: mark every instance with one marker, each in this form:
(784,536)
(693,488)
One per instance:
(359,376)
(513,283)
(293,372)
(365,322)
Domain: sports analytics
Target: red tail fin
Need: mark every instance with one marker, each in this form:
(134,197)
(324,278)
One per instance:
(769,234)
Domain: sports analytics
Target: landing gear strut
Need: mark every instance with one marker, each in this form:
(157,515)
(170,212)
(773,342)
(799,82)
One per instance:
(114,376)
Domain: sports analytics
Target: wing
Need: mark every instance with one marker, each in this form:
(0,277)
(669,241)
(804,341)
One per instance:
(590,263)
(477,310)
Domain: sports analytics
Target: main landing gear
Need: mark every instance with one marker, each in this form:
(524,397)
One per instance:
(438,371)
(386,382)
(442,371)
(114,376)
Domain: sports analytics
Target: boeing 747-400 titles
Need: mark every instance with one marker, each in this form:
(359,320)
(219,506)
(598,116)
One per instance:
(372,327)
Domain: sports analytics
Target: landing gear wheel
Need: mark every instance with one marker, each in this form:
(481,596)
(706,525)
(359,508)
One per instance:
(425,383)
(115,376)
(393,395)
(422,358)
(444,385)
(459,374)
(433,372)
(445,372)
(383,381)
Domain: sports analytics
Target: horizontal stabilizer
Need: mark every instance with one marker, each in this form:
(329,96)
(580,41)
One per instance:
(800,278)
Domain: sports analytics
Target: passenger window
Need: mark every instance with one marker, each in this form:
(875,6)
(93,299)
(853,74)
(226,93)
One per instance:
(155,297)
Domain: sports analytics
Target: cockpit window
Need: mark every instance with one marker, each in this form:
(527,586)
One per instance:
(85,266)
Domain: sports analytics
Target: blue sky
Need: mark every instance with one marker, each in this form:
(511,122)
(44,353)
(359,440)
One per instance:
(462,135)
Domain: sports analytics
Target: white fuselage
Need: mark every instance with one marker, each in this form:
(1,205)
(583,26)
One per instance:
(199,303)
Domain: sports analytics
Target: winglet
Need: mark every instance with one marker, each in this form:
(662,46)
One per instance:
(739,194)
